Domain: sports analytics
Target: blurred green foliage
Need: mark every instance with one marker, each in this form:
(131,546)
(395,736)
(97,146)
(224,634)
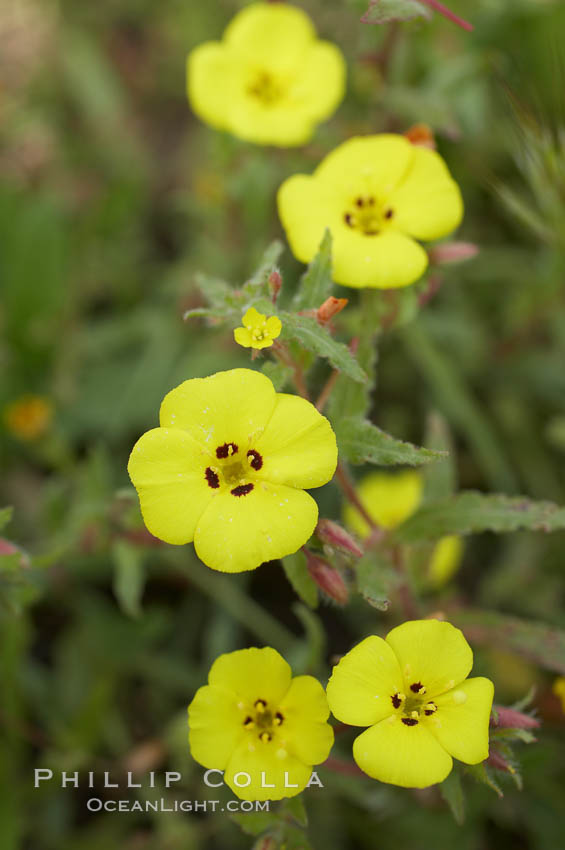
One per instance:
(113,198)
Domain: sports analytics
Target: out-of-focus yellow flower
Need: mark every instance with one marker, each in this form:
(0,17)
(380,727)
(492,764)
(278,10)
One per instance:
(377,195)
(258,331)
(28,417)
(229,467)
(559,690)
(390,498)
(269,80)
(413,692)
(259,725)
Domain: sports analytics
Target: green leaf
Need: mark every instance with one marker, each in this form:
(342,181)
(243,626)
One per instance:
(482,774)
(316,282)
(375,579)
(306,331)
(385,11)
(544,645)
(5,517)
(279,373)
(471,512)
(362,442)
(452,792)
(129,578)
(294,806)
(300,579)
(254,823)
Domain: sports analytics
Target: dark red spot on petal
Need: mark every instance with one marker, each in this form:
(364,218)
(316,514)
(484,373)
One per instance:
(242,490)
(409,721)
(416,687)
(278,718)
(255,459)
(359,202)
(389,214)
(227,450)
(212,478)
(396,701)
(348,218)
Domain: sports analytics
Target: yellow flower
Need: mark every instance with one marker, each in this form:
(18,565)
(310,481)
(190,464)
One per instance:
(257,330)
(260,726)
(412,691)
(269,81)
(377,195)
(559,690)
(28,417)
(228,466)
(390,498)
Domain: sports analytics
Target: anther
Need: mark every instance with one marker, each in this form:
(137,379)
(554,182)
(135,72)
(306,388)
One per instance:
(212,478)
(278,718)
(255,459)
(227,450)
(265,736)
(418,688)
(260,705)
(248,723)
(430,708)
(397,699)
(409,721)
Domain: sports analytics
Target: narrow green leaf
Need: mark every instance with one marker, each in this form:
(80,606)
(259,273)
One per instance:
(300,579)
(279,374)
(544,645)
(362,442)
(386,11)
(129,578)
(255,823)
(375,579)
(440,478)
(5,516)
(452,792)
(316,282)
(471,512)
(296,809)
(306,331)
(259,279)
(482,774)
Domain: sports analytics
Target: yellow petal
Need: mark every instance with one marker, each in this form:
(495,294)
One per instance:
(432,653)
(298,445)
(239,533)
(388,498)
(403,755)
(373,164)
(281,124)
(253,319)
(362,685)
(388,261)
(306,208)
(427,204)
(273,36)
(262,766)
(167,468)
(215,727)
(445,560)
(305,710)
(274,326)
(461,721)
(320,86)
(243,337)
(231,406)
(252,674)
(210,83)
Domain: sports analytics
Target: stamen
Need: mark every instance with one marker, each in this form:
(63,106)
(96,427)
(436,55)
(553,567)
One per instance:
(242,490)
(430,708)
(418,688)
(212,478)
(349,219)
(248,723)
(265,736)
(409,721)
(397,699)
(389,214)
(255,459)
(260,705)
(227,450)
(278,718)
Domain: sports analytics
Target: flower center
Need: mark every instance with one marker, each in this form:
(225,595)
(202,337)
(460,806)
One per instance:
(367,216)
(414,705)
(263,720)
(265,88)
(234,469)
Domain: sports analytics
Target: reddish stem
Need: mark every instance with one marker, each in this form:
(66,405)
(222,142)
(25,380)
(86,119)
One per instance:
(348,488)
(447,13)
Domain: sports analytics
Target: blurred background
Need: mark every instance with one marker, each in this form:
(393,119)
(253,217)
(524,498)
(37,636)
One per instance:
(112,197)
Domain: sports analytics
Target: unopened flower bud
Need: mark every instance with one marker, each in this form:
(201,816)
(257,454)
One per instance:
(421,135)
(8,548)
(332,533)
(275,284)
(509,718)
(328,579)
(330,308)
(452,252)
(497,760)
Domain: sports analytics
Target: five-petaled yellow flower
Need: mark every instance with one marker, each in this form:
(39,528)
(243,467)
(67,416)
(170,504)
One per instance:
(269,80)
(258,331)
(390,498)
(377,195)
(263,728)
(228,466)
(412,691)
